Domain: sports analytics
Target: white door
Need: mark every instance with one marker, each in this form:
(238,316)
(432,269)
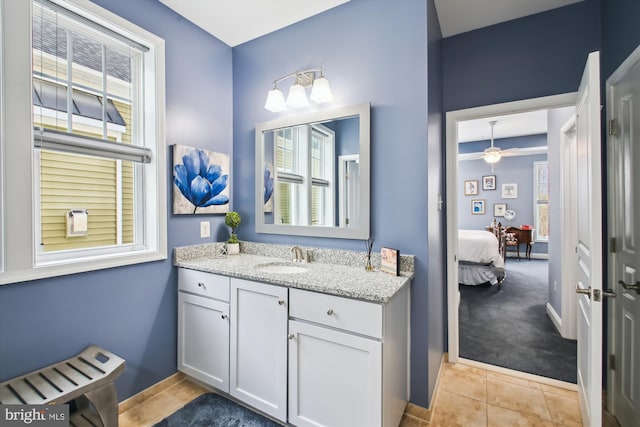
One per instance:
(624,210)
(335,378)
(259,346)
(203,339)
(589,248)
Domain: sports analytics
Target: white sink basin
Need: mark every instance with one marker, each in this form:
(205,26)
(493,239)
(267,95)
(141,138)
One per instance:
(280,268)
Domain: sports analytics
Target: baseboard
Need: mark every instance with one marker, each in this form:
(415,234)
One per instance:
(557,320)
(534,255)
(145,394)
(414,414)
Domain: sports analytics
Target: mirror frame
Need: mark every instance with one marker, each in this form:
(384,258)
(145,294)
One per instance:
(363,111)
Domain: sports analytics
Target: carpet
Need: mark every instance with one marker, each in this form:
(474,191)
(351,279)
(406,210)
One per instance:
(214,410)
(511,328)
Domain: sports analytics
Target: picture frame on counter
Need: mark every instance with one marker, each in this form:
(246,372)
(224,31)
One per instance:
(390,261)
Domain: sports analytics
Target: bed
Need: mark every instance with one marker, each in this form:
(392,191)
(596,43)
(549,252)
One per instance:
(480,258)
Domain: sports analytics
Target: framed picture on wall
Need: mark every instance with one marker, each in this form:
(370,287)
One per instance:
(499,209)
(489,182)
(477,206)
(509,191)
(471,187)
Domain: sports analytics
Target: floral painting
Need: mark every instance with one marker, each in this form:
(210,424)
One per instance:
(268,188)
(200,181)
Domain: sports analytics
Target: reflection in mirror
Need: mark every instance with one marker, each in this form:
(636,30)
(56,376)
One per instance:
(312,174)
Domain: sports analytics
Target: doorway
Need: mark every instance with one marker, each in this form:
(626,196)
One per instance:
(453,119)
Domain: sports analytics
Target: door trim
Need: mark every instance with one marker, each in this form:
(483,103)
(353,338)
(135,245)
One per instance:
(452,119)
(569,239)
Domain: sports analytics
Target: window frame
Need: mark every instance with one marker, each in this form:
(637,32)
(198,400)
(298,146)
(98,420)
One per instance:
(537,202)
(18,251)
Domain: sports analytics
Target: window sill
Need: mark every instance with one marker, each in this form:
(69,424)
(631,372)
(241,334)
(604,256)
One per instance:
(49,271)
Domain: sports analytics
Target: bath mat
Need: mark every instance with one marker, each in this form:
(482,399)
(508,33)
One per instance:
(214,410)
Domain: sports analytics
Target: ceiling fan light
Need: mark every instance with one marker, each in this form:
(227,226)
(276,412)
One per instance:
(492,155)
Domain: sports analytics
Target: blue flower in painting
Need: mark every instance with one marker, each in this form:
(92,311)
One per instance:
(199,182)
(268,183)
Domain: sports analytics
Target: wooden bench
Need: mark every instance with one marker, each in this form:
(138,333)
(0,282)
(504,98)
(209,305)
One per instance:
(87,379)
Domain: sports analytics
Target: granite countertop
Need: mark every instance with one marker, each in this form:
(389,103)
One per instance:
(335,279)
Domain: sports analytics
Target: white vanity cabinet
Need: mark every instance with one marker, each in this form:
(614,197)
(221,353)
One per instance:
(348,361)
(259,346)
(203,327)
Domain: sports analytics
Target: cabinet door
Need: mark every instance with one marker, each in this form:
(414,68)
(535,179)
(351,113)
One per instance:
(203,339)
(259,346)
(335,378)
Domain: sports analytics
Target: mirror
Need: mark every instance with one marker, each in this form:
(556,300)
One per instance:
(312,174)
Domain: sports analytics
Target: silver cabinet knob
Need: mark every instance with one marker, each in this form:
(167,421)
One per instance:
(225,317)
(280,302)
(330,312)
(291,336)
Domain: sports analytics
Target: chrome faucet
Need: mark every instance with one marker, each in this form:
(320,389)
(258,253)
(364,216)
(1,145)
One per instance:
(298,254)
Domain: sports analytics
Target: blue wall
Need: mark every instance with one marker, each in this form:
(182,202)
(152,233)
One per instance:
(518,170)
(373,51)
(620,33)
(535,56)
(437,235)
(130,310)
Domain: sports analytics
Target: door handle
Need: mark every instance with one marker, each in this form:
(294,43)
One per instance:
(586,292)
(635,287)
(598,294)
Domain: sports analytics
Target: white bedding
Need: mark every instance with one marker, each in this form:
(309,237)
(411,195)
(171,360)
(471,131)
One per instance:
(479,246)
(479,258)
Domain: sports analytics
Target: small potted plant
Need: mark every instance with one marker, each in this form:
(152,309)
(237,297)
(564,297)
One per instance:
(232,219)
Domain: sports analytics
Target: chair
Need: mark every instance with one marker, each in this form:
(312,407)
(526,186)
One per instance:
(511,241)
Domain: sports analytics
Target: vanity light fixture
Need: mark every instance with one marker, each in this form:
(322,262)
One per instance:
(297,97)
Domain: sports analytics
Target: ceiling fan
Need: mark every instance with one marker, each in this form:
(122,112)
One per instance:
(493,154)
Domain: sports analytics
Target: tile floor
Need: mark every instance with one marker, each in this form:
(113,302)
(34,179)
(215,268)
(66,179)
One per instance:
(470,396)
(467,396)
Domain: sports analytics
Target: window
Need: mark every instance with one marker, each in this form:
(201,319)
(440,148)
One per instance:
(96,121)
(541,200)
(305,175)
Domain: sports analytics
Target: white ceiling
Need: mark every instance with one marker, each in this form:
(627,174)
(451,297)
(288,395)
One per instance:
(238,21)
(460,16)
(530,123)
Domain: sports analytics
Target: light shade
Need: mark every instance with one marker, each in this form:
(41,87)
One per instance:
(297,96)
(275,101)
(321,91)
(492,155)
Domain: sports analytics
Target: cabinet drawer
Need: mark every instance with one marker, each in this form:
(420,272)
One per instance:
(206,284)
(352,315)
